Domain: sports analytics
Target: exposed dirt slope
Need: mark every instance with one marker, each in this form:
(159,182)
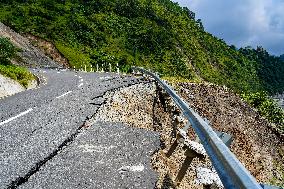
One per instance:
(255,144)
(10,87)
(30,55)
(48,49)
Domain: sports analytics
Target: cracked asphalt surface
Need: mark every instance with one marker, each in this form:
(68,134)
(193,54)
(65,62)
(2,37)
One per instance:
(49,146)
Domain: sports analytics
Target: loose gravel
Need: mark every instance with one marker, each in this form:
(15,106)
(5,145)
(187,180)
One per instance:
(255,144)
(144,106)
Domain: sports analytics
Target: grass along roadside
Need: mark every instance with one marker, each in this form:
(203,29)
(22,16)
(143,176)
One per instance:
(266,107)
(7,52)
(19,74)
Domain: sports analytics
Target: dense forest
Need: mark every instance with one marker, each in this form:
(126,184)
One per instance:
(281,57)
(270,69)
(156,34)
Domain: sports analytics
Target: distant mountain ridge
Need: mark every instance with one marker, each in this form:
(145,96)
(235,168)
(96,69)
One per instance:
(155,34)
(282,57)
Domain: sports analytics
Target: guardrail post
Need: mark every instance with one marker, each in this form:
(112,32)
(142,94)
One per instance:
(109,67)
(117,68)
(172,149)
(190,155)
(175,124)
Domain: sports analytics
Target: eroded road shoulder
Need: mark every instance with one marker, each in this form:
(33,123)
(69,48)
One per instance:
(53,140)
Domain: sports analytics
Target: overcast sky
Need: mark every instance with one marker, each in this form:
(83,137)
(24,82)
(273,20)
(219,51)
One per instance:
(243,22)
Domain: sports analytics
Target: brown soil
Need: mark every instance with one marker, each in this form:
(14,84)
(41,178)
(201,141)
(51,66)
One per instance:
(146,106)
(255,144)
(29,56)
(49,49)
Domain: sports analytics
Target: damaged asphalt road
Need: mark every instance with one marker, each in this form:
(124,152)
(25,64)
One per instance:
(45,143)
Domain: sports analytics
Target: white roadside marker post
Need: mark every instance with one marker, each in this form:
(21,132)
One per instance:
(85,68)
(91,68)
(109,67)
(117,68)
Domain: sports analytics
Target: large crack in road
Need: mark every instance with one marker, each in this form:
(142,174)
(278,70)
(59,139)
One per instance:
(20,180)
(29,142)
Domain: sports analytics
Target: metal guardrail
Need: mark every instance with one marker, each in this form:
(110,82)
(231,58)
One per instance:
(230,170)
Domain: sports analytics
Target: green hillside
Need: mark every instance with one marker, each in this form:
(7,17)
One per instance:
(270,69)
(156,34)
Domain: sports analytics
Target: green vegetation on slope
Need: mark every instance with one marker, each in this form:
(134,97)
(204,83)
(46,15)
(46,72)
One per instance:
(156,34)
(8,51)
(266,107)
(270,69)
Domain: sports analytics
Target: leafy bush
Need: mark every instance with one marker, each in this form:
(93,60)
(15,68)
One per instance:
(267,107)
(22,75)
(74,56)
(7,52)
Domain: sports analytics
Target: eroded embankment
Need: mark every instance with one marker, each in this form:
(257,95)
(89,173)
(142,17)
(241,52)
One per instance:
(147,106)
(29,55)
(10,87)
(255,143)
(279,98)
(49,49)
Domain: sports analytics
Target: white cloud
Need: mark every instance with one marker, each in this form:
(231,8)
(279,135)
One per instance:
(243,22)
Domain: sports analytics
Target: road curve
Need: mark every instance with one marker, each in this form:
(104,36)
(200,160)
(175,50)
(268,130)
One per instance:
(45,144)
